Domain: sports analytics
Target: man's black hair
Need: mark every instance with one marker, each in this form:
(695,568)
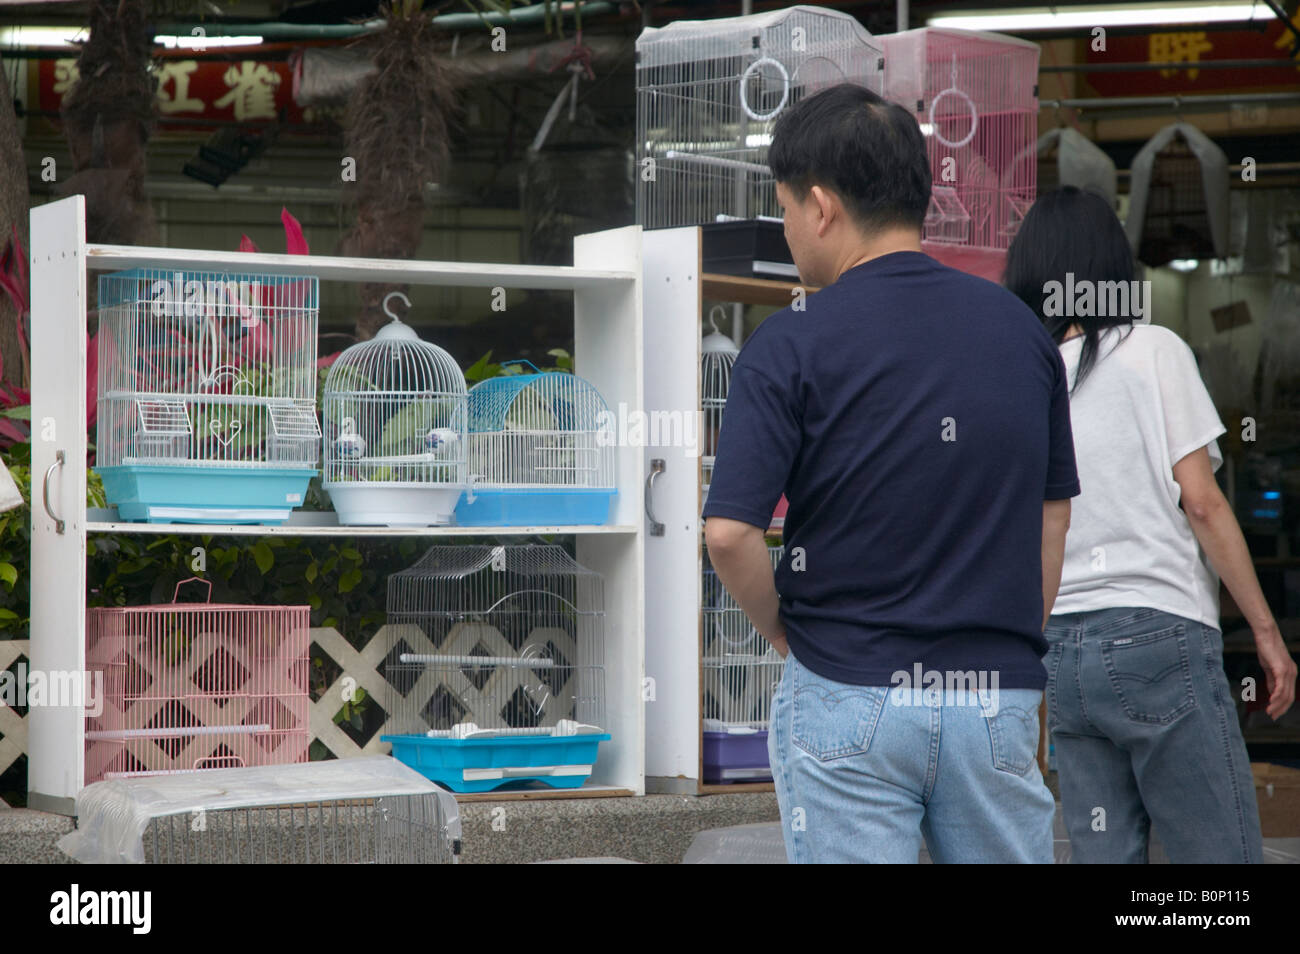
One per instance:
(870,152)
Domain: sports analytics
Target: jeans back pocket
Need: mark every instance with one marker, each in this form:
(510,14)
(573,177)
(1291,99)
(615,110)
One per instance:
(832,720)
(1013,736)
(1151,674)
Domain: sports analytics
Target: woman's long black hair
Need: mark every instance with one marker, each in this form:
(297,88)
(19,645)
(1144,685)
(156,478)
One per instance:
(1070,230)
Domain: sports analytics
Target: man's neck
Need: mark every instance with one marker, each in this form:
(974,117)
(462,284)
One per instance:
(883,243)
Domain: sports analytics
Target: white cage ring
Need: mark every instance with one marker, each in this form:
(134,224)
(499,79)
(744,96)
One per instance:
(970,104)
(785,87)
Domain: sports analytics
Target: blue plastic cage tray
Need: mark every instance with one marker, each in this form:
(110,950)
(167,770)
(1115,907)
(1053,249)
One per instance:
(483,765)
(162,493)
(536,507)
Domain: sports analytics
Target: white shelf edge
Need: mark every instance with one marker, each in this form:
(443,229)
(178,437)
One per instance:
(334,530)
(337,268)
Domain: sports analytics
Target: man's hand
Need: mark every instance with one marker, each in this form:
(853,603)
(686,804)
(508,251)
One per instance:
(739,554)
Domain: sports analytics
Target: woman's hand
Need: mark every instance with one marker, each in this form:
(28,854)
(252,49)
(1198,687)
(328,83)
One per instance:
(1279,671)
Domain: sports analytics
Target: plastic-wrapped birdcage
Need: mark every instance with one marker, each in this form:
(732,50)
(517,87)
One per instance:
(206,395)
(976,98)
(717,357)
(496,666)
(365,810)
(190,686)
(709,93)
(394,422)
(540,453)
(741,672)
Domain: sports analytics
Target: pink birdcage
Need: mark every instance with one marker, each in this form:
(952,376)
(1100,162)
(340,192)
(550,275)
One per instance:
(192,686)
(975,96)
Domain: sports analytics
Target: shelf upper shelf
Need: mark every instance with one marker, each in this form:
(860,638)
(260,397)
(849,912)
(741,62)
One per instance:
(325,524)
(749,291)
(337,268)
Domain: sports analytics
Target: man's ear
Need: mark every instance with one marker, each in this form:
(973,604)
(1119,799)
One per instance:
(828,203)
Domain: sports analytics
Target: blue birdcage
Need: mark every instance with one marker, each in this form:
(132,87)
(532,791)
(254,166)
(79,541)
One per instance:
(540,453)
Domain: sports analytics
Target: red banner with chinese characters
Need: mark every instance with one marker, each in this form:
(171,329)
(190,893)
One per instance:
(1191,47)
(222,91)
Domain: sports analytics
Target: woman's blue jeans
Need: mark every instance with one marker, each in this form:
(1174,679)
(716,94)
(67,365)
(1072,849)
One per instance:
(1145,729)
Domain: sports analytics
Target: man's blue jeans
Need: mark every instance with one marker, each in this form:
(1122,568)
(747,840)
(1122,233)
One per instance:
(1145,729)
(863,772)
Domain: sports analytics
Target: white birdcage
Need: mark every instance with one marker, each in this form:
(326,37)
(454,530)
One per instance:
(394,422)
(740,674)
(364,810)
(709,93)
(206,395)
(540,453)
(717,357)
(975,96)
(496,666)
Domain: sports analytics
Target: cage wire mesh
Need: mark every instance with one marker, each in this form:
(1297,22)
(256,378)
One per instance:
(394,430)
(513,641)
(709,93)
(718,355)
(192,686)
(975,96)
(207,368)
(538,430)
(741,670)
(394,829)
(1178,197)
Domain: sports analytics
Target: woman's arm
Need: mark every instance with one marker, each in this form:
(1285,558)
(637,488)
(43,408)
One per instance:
(1216,528)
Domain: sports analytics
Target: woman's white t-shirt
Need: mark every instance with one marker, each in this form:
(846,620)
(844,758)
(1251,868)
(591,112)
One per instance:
(1141,409)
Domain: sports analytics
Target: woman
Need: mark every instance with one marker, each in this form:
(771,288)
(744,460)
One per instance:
(1141,713)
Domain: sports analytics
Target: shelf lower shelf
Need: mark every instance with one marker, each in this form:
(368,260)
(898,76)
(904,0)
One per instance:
(325,524)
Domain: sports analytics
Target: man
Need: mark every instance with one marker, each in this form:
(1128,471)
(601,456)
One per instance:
(917,420)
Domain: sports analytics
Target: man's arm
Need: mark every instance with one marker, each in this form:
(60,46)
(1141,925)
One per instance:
(739,554)
(1219,534)
(1056,521)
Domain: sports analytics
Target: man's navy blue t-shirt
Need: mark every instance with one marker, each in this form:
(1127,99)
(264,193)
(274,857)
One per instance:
(916,418)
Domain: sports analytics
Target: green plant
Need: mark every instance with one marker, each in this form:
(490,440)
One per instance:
(483,368)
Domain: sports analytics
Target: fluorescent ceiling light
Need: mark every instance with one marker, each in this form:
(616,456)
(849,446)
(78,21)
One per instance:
(1184,264)
(1151,14)
(53,36)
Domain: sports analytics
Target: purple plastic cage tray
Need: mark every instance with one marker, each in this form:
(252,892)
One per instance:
(736,758)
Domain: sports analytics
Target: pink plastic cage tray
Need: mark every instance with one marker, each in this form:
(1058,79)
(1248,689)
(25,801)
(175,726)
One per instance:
(975,96)
(192,686)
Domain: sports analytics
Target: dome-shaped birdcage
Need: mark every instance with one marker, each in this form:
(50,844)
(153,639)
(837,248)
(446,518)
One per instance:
(717,356)
(394,431)
(540,452)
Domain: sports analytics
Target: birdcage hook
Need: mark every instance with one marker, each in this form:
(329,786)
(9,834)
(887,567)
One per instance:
(395,294)
(713,322)
(970,104)
(176,593)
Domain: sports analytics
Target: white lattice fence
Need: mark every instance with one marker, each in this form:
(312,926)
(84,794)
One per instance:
(12,726)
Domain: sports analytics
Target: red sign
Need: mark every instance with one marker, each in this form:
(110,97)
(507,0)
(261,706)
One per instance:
(240,90)
(1190,48)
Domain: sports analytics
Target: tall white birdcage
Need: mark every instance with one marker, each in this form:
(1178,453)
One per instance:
(709,93)
(718,355)
(496,666)
(975,96)
(740,673)
(394,423)
(206,395)
(541,452)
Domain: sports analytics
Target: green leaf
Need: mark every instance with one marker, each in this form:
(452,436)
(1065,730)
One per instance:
(21,413)
(351,554)
(8,573)
(311,572)
(263,556)
(349,580)
(8,614)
